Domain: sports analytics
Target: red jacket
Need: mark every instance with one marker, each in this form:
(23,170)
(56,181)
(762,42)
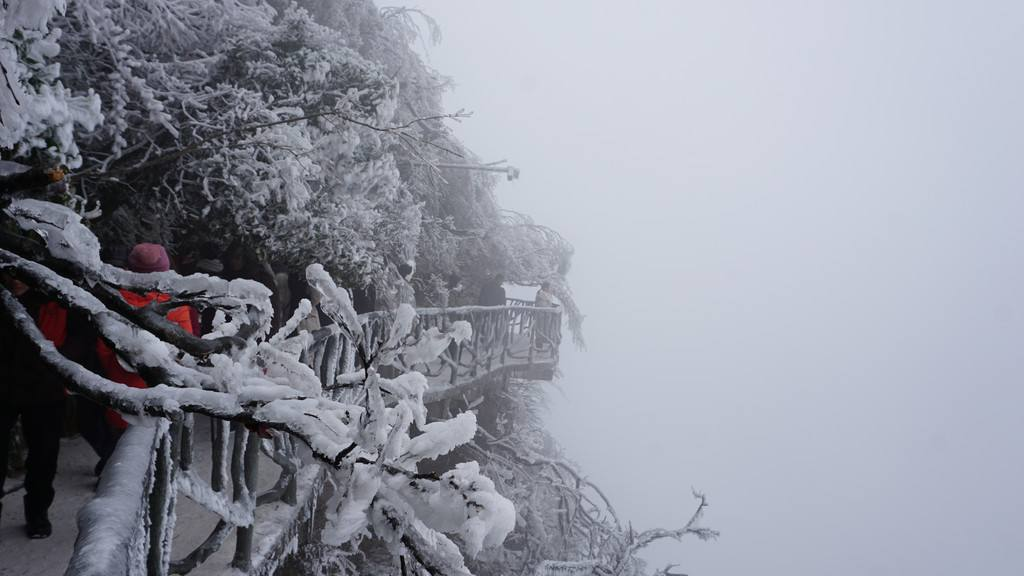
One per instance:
(27,380)
(114,369)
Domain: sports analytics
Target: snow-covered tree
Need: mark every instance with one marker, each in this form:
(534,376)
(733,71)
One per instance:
(308,129)
(233,120)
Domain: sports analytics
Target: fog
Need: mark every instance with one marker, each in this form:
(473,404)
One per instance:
(798,231)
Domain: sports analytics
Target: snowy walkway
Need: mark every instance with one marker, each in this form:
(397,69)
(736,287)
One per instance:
(75,485)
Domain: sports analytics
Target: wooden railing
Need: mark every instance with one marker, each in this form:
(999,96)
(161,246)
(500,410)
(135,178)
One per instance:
(153,466)
(503,337)
(112,538)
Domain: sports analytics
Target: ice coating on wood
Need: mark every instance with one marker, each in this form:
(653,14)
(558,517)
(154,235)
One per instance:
(112,516)
(62,230)
(439,551)
(301,312)
(389,516)
(373,424)
(237,513)
(334,301)
(463,502)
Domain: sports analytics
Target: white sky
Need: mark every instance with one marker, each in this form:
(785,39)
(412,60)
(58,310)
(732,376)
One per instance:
(798,230)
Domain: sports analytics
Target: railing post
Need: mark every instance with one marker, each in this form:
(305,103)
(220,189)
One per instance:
(161,507)
(219,435)
(187,442)
(531,335)
(291,491)
(492,328)
(506,332)
(456,357)
(329,365)
(244,473)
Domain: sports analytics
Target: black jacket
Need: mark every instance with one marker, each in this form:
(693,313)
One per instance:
(492,294)
(25,380)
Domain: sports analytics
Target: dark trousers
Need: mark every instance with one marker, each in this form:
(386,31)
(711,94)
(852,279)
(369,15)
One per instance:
(93,426)
(41,425)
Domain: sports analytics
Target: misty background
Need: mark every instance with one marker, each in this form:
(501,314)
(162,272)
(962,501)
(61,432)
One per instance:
(798,231)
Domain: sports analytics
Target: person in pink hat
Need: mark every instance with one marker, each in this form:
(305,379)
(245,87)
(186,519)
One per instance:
(148,257)
(144,258)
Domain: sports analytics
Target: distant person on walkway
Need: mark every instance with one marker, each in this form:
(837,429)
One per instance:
(364,298)
(144,258)
(31,390)
(406,293)
(241,262)
(209,260)
(209,263)
(544,297)
(452,287)
(492,293)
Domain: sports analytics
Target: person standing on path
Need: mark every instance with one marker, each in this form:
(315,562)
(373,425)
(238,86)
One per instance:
(33,392)
(544,298)
(492,293)
(144,258)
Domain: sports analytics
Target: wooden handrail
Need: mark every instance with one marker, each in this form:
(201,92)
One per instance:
(516,335)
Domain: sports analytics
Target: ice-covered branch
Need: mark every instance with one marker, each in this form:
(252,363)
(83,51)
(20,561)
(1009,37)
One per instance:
(645,538)
(71,258)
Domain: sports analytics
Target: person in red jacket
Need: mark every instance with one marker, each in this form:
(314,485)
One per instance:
(143,258)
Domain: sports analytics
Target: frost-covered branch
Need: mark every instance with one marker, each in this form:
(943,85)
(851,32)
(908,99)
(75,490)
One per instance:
(567,525)
(233,138)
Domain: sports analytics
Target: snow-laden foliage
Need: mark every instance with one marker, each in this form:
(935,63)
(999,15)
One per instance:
(246,121)
(37,112)
(255,377)
(309,130)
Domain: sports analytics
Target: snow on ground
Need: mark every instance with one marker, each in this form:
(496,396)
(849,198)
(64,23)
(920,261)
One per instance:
(20,556)
(75,485)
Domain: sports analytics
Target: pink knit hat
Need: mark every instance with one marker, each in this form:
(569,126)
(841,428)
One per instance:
(148,258)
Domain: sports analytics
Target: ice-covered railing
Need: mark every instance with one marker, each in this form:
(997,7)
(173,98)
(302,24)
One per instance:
(503,337)
(236,452)
(359,415)
(111,533)
(363,421)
